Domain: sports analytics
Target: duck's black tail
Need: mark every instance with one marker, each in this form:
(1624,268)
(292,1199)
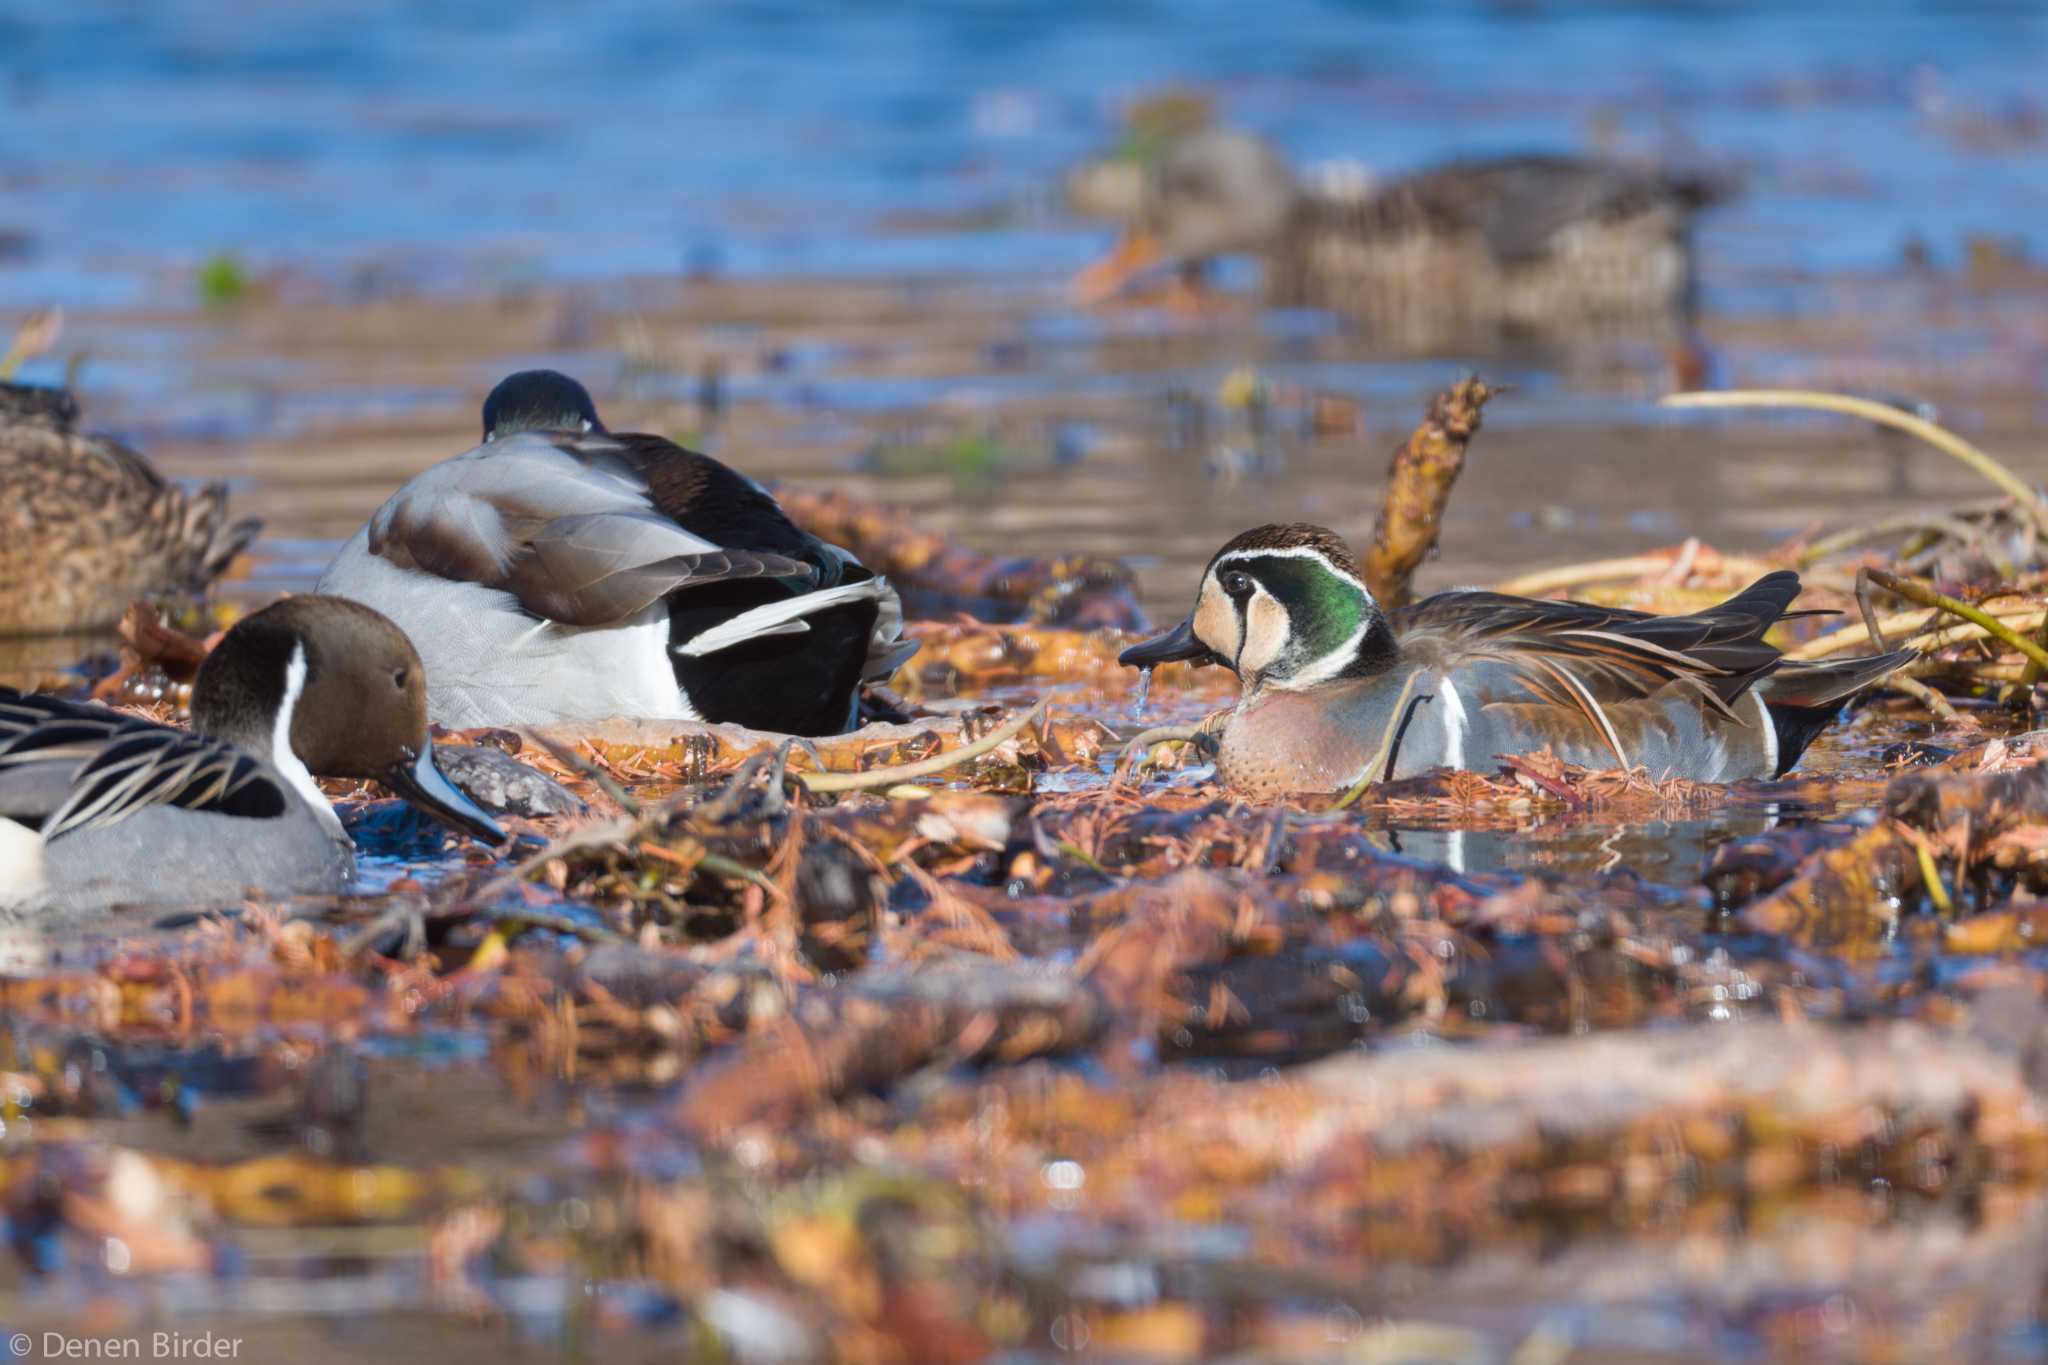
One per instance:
(1803,698)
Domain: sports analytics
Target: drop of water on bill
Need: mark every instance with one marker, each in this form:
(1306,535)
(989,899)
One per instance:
(1144,692)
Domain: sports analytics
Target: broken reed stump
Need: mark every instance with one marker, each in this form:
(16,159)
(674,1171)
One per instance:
(1419,486)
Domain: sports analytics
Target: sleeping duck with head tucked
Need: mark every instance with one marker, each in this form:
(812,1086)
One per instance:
(1336,691)
(563,572)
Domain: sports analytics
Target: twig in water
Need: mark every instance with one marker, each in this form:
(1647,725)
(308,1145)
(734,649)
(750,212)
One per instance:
(1930,871)
(38,333)
(1924,594)
(577,763)
(924,767)
(1137,750)
(1401,733)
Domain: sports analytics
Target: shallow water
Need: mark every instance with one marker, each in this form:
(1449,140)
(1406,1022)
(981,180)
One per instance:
(483,144)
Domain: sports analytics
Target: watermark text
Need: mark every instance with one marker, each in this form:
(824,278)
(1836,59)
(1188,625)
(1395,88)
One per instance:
(135,1346)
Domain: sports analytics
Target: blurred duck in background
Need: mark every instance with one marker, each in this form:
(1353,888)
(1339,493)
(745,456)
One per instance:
(1463,253)
(87,526)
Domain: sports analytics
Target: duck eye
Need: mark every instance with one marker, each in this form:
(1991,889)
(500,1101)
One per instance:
(398,678)
(1235,583)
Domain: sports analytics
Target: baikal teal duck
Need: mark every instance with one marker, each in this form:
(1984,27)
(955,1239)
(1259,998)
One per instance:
(1337,691)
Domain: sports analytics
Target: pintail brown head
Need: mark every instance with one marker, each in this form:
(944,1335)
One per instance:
(323,685)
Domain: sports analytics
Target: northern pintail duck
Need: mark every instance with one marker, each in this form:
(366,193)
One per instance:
(1545,244)
(1335,690)
(87,526)
(99,808)
(561,572)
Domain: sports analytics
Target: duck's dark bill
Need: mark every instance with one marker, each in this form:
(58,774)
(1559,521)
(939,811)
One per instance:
(1177,644)
(421,783)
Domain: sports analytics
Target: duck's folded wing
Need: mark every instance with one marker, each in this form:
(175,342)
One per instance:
(44,741)
(1522,207)
(567,531)
(66,766)
(1587,657)
(597,569)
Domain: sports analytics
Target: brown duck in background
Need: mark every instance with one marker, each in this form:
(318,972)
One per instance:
(87,526)
(1460,252)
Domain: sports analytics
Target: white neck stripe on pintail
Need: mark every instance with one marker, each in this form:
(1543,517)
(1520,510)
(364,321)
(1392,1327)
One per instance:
(286,759)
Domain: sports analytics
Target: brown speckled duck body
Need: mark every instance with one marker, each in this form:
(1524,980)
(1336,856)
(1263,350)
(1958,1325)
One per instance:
(87,526)
(1467,251)
(1336,691)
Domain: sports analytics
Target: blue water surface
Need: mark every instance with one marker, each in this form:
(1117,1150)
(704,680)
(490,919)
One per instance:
(464,144)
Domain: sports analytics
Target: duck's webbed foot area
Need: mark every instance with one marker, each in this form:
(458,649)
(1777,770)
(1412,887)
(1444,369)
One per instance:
(1139,752)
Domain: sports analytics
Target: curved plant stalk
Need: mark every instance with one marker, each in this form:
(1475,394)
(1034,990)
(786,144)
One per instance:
(1381,767)
(1137,750)
(38,333)
(1914,591)
(1885,415)
(1954,527)
(1544,582)
(1909,629)
(1961,633)
(924,767)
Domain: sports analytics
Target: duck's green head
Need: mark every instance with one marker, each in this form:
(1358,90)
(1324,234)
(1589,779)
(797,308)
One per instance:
(1281,606)
(539,400)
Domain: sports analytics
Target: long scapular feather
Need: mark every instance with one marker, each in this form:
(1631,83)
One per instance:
(1588,704)
(778,618)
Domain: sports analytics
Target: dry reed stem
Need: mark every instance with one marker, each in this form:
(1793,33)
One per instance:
(1884,415)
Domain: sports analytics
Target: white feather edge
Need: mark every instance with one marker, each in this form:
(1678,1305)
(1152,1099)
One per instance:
(779,618)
